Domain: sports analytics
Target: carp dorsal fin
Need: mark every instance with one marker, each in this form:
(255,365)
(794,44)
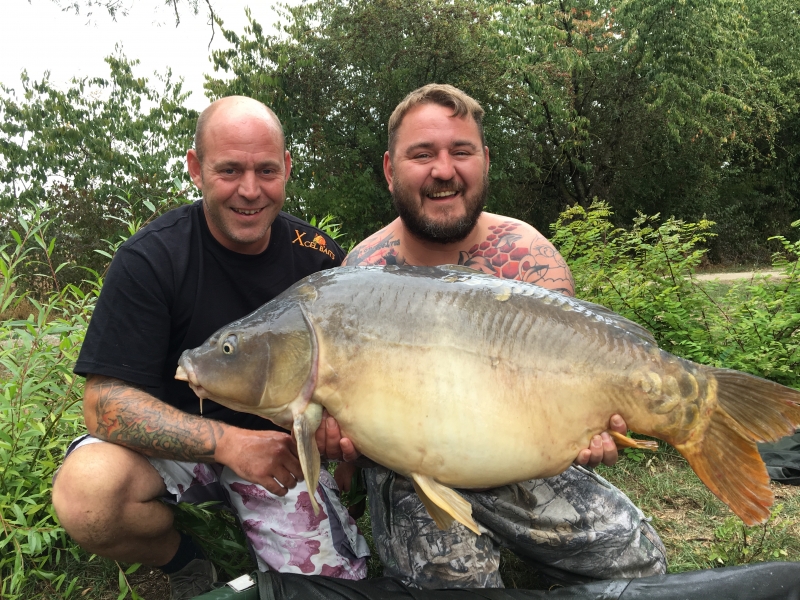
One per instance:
(608,316)
(601,313)
(443,503)
(307,416)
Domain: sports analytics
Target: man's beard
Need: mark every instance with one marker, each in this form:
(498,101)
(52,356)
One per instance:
(442,231)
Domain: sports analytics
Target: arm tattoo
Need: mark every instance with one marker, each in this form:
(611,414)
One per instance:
(511,255)
(135,419)
(376,250)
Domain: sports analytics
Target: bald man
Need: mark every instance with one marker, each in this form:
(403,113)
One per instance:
(169,287)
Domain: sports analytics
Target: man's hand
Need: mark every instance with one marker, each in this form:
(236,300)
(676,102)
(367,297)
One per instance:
(602,448)
(268,458)
(330,442)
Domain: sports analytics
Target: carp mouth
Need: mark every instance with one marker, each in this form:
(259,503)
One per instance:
(185,372)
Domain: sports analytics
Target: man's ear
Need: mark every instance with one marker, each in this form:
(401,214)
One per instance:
(195,169)
(486,156)
(287,165)
(388,172)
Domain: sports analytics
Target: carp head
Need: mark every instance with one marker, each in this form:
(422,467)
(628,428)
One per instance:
(266,364)
(258,364)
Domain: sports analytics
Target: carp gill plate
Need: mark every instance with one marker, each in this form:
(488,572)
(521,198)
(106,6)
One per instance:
(457,379)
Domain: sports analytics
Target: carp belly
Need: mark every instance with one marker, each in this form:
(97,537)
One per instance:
(458,417)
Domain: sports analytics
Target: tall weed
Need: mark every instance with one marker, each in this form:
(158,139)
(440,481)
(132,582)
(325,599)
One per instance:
(39,410)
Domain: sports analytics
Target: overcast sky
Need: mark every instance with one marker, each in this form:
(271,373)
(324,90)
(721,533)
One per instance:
(38,36)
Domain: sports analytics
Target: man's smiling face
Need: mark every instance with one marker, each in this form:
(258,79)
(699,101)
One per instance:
(242,175)
(438,173)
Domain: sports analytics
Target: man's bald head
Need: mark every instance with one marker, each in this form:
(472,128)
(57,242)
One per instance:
(232,106)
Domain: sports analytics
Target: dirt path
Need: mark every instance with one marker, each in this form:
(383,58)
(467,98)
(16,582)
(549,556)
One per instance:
(735,276)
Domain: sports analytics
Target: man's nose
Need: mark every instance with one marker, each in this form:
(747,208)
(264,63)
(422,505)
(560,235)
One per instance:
(248,185)
(443,167)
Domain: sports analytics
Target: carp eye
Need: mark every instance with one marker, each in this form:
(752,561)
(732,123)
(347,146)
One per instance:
(229,345)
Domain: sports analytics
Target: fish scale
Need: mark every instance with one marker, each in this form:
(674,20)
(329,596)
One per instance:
(457,379)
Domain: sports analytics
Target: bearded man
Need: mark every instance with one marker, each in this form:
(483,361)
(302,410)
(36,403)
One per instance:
(575,527)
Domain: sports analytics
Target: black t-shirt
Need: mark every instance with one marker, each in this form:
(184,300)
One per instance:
(172,285)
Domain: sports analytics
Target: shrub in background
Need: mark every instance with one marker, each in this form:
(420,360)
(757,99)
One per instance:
(647,274)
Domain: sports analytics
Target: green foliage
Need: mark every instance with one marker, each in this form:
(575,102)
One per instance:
(115,8)
(335,73)
(218,532)
(75,150)
(39,410)
(735,544)
(647,274)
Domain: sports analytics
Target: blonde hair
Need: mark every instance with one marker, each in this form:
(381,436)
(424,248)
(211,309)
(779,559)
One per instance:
(443,95)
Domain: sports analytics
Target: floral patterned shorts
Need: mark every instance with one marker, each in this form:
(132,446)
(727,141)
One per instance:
(284,532)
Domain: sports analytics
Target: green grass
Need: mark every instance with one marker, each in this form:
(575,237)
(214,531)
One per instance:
(698,530)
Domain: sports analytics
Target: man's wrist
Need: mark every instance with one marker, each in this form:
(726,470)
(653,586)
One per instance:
(226,434)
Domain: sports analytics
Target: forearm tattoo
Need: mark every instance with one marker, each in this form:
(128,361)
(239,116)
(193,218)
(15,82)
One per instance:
(134,419)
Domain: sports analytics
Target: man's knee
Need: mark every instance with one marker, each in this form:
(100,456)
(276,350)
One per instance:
(93,486)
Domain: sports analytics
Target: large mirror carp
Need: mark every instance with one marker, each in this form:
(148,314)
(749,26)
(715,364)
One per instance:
(457,379)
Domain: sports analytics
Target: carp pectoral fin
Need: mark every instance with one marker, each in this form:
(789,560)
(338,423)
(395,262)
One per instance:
(304,427)
(443,503)
(623,441)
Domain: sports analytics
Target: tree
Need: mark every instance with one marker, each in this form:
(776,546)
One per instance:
(118,7)
(335,75)
(79,150)
(634,102)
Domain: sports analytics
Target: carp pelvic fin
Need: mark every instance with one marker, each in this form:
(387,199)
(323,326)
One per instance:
(443,503)
(304,427)
(623,441)
(725,457)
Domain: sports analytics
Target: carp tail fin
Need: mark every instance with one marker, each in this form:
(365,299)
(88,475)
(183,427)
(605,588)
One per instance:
(749,410)
(444,504)
(766,410)
(729,464)
(304,427)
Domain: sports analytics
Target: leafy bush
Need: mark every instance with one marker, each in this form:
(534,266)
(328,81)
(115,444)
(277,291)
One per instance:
(647,274)
(39,411)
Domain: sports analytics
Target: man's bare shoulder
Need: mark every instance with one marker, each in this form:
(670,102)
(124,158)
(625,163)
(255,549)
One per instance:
(381,248)
(514,249)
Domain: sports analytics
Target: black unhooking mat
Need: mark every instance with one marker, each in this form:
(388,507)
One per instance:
(765,581)
(783,459)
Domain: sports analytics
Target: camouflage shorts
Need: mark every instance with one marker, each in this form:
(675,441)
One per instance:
(573,528)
